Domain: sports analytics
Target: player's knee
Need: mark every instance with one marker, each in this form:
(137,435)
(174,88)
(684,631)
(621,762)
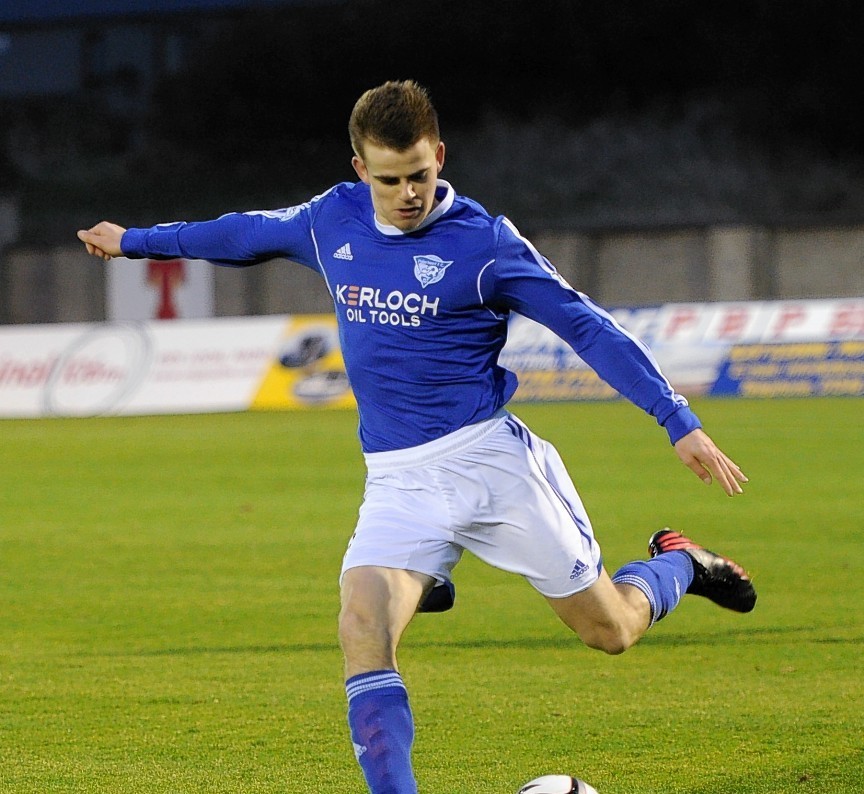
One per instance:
(612,632)
(360,629)
(611,639)
(353,626)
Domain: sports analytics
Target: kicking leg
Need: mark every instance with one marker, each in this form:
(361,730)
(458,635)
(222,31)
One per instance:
(613,614)
(715,577)
(608,616)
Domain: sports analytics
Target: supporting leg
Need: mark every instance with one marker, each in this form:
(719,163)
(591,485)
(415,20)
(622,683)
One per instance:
(377,605)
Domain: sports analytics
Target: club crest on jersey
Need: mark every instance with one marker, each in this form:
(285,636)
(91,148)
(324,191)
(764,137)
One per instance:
(429,269)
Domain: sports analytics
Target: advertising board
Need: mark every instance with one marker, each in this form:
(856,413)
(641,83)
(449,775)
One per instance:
(762,349)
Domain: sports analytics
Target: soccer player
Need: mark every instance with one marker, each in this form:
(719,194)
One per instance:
(423,281)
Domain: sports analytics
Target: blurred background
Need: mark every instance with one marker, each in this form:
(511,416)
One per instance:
(663,150)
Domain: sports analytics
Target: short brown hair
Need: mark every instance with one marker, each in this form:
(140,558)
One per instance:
(394,115)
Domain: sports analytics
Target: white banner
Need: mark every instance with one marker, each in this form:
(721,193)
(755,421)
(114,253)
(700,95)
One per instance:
(135,368)
(693,344)
(761,349)
(141,289)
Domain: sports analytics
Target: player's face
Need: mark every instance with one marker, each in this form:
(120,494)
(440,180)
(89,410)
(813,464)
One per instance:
(402,183)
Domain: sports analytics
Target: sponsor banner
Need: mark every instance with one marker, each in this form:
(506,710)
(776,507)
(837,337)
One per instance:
(547,367)
(805,369)
(757,322)
(703,348)
(161,367)
(307,369)
(758,349)
(141,289)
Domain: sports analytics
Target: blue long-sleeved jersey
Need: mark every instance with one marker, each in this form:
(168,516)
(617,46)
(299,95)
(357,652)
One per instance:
(422,315)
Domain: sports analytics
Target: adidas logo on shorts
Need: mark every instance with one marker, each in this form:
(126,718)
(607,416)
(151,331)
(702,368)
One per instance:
(578,569)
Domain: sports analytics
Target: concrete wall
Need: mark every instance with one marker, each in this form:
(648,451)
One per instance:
(710,264)
(51,285)
(616,268)
(277,287)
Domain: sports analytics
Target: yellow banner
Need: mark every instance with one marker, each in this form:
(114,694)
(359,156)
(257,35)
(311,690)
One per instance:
(308,371)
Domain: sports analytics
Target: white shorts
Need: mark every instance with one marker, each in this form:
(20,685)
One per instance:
(493,488)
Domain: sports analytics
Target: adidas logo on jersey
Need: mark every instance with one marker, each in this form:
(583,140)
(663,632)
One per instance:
(344,252)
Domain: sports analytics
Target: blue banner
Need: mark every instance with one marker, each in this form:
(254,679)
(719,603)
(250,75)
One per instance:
(814,369)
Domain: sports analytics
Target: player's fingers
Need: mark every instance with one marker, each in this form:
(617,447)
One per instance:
(710,463)
(95,250)
(729,484)
(102,240)
(733,470)
(726,476)
(713,465)
(699,470)
(89,239)
(736,471)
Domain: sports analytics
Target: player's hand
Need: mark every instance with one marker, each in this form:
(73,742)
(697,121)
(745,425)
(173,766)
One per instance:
(708,463)
(103,239)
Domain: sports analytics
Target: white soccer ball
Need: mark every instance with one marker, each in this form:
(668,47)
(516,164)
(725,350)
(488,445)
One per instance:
(557,784)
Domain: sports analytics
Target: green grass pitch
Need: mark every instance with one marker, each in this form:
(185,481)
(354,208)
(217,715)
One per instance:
(168,608)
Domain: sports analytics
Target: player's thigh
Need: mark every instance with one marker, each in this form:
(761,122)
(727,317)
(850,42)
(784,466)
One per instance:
(382,599)
(605,615)
(533,522)
(404,524)
(598,604)
(377,606)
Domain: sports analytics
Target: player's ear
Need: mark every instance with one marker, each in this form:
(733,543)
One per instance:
(360,168)
(439,155)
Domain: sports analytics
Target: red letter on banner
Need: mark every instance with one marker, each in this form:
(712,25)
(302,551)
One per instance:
(733,324)
(681,320)
(848,321)
(166,276)
(788,317)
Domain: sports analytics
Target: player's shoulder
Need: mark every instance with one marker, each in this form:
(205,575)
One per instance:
(338,195)
(349,191)
(477,212)
(297,211)
(343,198)
(470,208)
(473,214)
(494,234)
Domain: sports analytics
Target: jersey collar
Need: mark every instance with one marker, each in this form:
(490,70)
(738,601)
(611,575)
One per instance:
(444,195)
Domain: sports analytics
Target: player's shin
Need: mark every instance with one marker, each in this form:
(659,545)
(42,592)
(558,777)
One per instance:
(663,580)
(382,730)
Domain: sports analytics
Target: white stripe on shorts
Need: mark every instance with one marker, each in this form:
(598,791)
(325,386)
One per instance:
(431,451)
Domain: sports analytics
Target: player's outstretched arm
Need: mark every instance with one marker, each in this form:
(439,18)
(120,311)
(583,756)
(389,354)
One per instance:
(708,462)
(103,239)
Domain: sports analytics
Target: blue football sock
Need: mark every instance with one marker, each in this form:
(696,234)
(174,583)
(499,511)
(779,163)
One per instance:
(663,580)
(382,730)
